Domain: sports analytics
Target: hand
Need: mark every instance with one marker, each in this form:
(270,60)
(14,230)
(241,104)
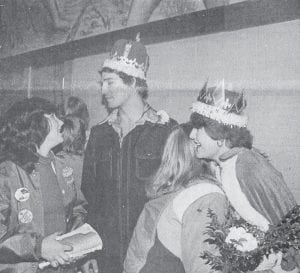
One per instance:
(90,266)
(54,251)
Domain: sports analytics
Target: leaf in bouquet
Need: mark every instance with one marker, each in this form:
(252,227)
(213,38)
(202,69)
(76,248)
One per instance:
(213,260)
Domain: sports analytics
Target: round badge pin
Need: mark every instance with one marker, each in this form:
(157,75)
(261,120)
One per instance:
(25,216)
(22,194)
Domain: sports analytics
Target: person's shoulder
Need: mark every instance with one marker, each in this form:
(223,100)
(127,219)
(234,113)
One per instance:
(100,125)
(67,157)
(252,157)
(99,128)
(160,118)
(242,156)
(164,118)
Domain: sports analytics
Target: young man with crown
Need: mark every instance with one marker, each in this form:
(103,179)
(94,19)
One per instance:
(123,151)
(254,188)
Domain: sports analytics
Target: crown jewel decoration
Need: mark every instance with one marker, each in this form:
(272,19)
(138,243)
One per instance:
(129,57)
(221,105)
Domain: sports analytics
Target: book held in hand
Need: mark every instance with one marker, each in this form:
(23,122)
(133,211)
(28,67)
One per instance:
(84,240)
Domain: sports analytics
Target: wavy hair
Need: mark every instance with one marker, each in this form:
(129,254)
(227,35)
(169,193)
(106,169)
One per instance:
(77,107)
(73,131)
(234,136)
(179,165)
(23,129)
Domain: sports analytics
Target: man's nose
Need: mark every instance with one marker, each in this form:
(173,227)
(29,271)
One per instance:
(104,89)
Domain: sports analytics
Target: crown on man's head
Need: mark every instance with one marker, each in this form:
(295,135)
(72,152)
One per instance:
(129,57)
(222,105)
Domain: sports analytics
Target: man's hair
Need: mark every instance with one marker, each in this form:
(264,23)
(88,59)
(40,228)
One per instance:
(179,164)
(234,136)
(23,129)
(73,131)
(140,84)
(77,107)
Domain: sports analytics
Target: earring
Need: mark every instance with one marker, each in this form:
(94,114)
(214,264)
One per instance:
(220,143)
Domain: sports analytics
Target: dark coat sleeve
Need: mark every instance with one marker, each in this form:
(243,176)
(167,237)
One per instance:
(88,180)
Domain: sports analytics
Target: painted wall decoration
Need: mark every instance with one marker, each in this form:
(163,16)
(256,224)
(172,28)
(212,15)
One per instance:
(31,24)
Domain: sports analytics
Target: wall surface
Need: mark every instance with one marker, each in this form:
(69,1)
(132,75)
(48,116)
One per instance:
(264,61)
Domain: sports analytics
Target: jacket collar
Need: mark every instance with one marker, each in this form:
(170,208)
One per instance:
(114,119)
(231,153)
(149,114)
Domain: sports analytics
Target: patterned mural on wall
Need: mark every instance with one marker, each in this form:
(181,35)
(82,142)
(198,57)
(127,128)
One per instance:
(31,24)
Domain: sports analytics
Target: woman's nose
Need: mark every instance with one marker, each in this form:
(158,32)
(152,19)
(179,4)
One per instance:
(193,134)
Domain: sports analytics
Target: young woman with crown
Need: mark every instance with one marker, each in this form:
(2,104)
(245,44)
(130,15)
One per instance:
(261,202)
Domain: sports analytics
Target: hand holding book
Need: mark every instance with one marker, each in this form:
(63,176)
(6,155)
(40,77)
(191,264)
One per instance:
(83,240)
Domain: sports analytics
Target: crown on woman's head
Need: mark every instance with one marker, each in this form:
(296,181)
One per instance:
(221,105)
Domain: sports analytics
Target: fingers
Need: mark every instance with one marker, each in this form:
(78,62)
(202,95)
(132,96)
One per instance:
(67,247)
(54,263)
(61,259)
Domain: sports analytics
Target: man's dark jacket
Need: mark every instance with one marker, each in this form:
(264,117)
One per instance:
(115,173)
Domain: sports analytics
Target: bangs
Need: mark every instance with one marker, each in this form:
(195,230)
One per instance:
(213,128)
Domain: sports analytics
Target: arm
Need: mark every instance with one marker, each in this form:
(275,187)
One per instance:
(79,212)
(195,221)
(88,181)
(17,243)
(79,208)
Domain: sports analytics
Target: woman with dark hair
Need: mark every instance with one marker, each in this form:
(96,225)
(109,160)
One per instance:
(255,189)
(73,132)
(38,195)
(77,107)
(170,233)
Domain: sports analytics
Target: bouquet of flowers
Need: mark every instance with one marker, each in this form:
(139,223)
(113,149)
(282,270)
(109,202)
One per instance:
(242,246)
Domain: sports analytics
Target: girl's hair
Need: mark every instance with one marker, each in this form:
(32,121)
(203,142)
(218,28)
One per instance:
(77,107)
(74,135)
(23,129)
(234,136)
(178,164)
(140,84)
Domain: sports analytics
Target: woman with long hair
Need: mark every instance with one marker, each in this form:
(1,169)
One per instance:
(38,194)
(169,236)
